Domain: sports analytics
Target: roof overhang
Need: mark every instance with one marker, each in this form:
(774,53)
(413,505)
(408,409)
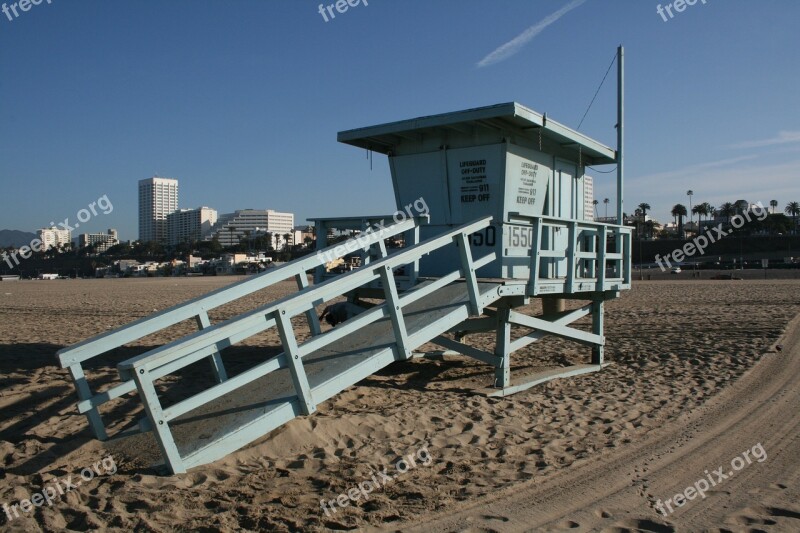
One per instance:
(512,117)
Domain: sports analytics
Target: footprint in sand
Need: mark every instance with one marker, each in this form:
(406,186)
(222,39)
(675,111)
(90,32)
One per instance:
(640,524)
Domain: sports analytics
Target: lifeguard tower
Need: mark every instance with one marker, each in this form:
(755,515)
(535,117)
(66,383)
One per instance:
(508,220)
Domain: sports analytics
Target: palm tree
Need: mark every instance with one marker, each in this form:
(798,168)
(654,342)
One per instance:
(605,201)
(690,193)
(594,203)
(679,211)
(727,210)
(793,210)
(706,209)
(698,210)
(773,204)
(643,207)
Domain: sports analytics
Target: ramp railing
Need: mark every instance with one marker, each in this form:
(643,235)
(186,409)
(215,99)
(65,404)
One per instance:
(145,370)
(74,357)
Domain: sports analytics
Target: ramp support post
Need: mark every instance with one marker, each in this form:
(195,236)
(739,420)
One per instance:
(502,371)
(598,315)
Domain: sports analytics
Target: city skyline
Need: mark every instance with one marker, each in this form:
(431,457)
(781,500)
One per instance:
(171,110)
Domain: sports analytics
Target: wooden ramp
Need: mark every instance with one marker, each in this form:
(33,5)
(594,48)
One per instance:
(231,421)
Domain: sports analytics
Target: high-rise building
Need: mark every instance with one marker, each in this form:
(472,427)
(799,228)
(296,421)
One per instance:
(101,241)
(233,228)
(158,197)
(187,225)
(53,237)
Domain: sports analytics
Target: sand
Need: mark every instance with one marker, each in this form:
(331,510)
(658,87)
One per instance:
(696,381)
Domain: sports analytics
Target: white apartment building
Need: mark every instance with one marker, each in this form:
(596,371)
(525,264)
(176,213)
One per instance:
(53,237)
(101,241)
(233,228)
(158,197)
(188,225)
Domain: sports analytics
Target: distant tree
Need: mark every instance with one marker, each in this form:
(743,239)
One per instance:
(741,206)
(727,210)
(773,224)
(643,208)
(793,210)
(701,210)
(690,193)
(606,201)
(679,211)
(698,210)
(773,204)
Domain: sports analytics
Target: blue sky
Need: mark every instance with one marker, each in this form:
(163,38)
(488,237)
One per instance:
(241,100)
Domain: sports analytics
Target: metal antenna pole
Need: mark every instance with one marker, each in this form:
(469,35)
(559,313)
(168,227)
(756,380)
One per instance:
(620,124)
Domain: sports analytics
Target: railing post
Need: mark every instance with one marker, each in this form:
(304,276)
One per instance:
(395,311)
(412,235)
(468,270)
(625,262)
(572,252)
(152,406)
(299,377)
(602,242)
(217,366)
(85,393)
(536,255)
(322,243)
(311,314)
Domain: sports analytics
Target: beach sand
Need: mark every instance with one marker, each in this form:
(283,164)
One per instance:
(592,452)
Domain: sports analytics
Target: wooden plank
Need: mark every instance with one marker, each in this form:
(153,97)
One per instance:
(299,378)
(217,366)
(465,349)
(395,313)
(526,382)
(85,394)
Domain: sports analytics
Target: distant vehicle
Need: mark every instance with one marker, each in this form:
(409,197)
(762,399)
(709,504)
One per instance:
(675,270)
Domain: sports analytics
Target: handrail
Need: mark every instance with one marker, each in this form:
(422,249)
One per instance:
(565,221)
(107,341)
(294,304)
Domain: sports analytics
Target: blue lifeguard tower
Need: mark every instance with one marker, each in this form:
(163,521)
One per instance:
(509,219)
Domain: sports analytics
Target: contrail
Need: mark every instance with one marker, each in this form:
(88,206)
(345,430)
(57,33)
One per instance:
(514,45)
